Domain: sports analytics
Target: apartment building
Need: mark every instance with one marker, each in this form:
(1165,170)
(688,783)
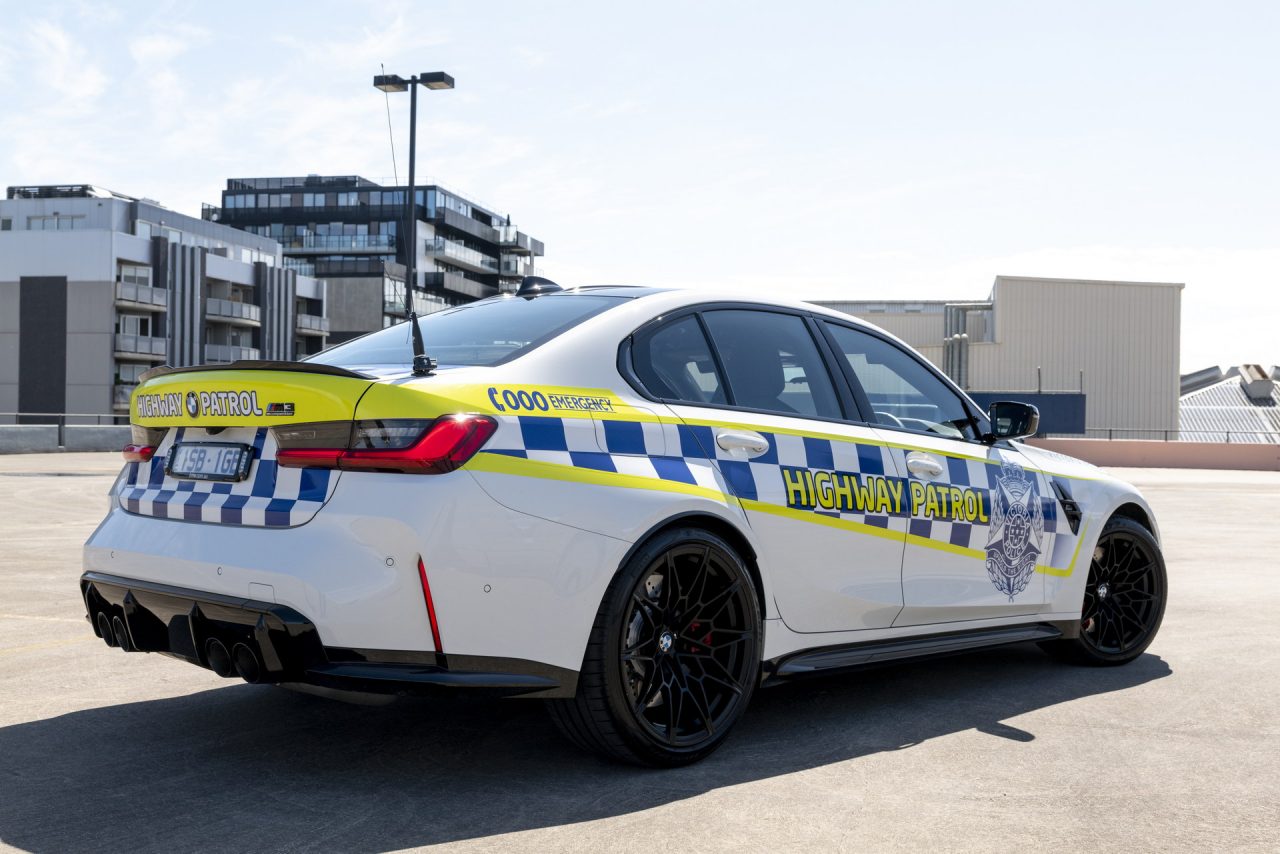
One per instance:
(97,287)
(355,234)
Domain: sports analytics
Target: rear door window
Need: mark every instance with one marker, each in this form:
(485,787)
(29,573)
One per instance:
(674,362)
(772,363)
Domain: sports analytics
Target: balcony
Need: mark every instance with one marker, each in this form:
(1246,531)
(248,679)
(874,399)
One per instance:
(312,324)
(515,266)
(513,241)
(145,297)
(465,224)
(234,313)
(461,256)
(141,347)
(458,285)
(121,394)
(302,268)
(322,243)
(229,353)
(299,215)
(334,268)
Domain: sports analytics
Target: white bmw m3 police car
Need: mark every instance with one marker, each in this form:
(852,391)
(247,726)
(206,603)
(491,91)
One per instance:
(637,504)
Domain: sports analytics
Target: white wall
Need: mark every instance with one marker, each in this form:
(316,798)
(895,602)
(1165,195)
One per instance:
(1125,336)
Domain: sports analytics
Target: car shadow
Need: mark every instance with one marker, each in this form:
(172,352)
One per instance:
(249,768)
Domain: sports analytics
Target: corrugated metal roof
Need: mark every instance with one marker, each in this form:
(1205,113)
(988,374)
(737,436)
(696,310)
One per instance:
(1223,412)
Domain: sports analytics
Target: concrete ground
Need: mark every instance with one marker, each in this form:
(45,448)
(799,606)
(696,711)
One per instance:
(998,751)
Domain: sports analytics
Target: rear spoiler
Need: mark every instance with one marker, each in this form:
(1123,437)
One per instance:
(257,365)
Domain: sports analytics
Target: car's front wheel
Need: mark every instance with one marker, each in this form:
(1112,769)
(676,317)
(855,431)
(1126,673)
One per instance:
(1124,598)
(674,655)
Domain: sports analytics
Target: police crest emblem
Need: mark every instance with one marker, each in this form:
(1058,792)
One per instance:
(1017,530)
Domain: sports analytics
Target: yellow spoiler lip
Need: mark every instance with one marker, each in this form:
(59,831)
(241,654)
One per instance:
(258,365)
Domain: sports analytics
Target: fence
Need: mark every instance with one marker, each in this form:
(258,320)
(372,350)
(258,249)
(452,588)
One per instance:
(1249,437)
(41,432)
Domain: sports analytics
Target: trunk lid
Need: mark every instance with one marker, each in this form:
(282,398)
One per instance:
(236,405)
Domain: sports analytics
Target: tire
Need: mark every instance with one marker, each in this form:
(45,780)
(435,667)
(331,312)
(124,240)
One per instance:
(673,657)
(1124,599)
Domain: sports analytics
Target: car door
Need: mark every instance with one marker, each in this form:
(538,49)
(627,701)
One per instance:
(755,396)
(980,521)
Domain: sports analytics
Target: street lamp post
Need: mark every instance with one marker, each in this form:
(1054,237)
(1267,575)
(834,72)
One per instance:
(396,83)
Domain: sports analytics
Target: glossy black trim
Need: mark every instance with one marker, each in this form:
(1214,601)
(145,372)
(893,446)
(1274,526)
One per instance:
(869,653)
(1070,508)
(179,622)
(258,365)
(626,366)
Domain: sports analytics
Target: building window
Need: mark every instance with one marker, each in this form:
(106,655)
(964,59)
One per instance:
(132,274)
(127,373)
(133,324)
(6,224)
(54,223)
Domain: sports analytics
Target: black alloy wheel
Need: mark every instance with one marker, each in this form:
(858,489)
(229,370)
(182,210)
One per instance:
(674,657)
(688,644)
(1124,597)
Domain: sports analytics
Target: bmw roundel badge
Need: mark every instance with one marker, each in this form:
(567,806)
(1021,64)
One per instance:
(193,404)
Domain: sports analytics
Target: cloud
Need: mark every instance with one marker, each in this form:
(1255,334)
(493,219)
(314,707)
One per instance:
(164,46)
(64,64)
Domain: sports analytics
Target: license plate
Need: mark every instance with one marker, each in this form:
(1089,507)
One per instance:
(210,461)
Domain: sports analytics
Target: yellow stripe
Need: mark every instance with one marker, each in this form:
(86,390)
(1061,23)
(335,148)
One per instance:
(521,467)
(1071,567)
(504,464)
(819,519)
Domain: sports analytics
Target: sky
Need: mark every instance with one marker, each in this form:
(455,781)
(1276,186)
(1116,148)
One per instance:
(817,150)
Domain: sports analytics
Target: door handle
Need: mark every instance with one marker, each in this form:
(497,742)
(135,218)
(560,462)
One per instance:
(742,443)
(922,464)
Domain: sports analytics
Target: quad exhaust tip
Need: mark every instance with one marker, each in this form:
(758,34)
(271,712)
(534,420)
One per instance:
(215,652)
(247,665)
(122,634)
(104,629)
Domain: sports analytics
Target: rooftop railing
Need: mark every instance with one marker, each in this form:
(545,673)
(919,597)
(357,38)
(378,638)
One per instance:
(1173,435)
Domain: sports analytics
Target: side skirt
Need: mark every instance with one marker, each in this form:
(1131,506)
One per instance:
(868,653)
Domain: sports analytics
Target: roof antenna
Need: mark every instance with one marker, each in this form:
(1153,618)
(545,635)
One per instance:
(532,286)
(422,363)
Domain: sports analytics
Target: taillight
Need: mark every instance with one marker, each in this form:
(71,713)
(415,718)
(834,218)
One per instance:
(394,445)
(138,453)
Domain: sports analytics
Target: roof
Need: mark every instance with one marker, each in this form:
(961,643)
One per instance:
(1226,412)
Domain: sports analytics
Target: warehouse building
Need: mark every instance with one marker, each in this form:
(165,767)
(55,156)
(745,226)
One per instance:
(98,287)
(1099,358)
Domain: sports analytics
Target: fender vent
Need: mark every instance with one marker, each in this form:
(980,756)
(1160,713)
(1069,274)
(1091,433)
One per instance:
(1070,508)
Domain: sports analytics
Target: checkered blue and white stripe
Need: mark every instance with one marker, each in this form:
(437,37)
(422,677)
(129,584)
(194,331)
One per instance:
(685,453)
(645,449)
(270,497)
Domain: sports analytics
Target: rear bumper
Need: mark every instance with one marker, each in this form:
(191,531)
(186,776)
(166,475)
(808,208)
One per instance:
(181,623)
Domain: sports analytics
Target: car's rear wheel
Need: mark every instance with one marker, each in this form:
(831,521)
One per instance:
(674,655)
(1124,598)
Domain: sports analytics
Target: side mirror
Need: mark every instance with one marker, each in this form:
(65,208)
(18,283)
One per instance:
(1012,420)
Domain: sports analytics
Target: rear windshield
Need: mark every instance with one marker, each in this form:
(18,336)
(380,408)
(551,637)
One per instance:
(482,333)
